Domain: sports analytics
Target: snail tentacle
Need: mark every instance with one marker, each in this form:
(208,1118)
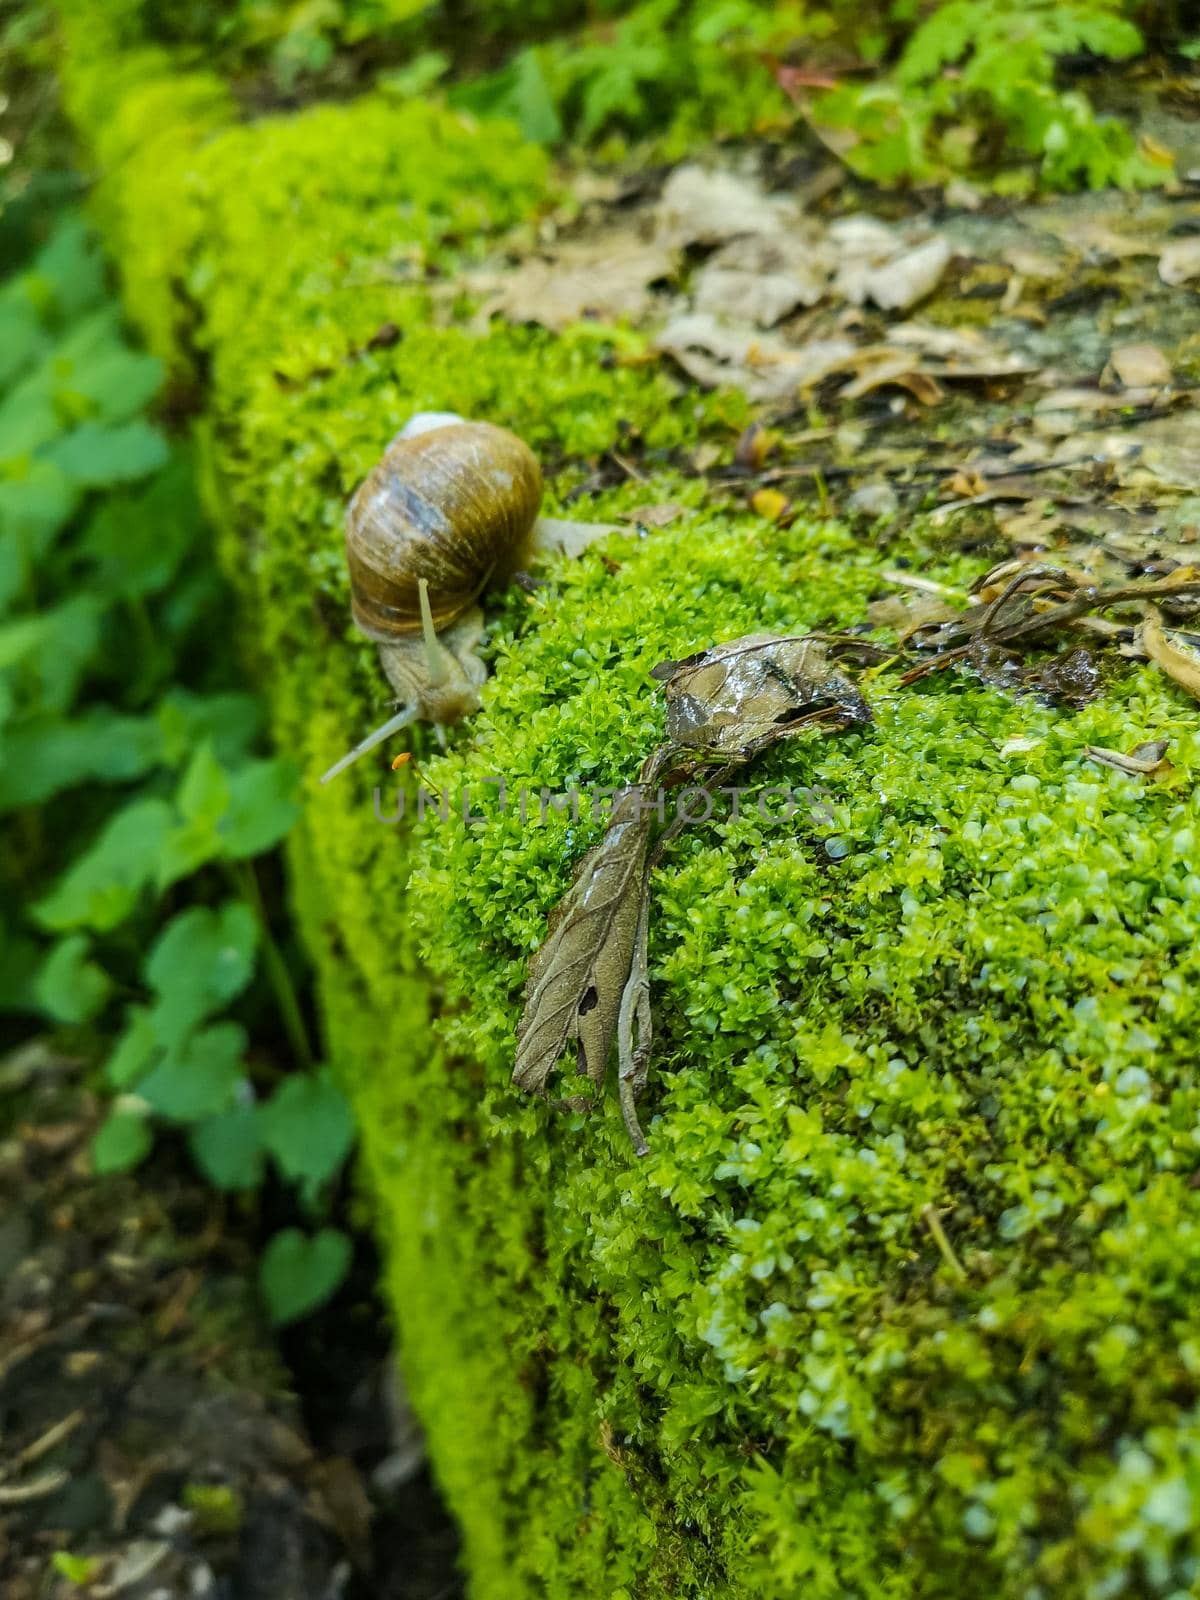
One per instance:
(403,717)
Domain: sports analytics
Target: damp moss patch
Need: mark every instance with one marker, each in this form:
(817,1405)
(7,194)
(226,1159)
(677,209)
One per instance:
(902,1302)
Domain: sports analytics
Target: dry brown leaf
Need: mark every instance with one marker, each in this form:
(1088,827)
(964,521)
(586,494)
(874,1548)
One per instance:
(577,976)
(1179,661)
(607,277)
(734,698)
(879,367)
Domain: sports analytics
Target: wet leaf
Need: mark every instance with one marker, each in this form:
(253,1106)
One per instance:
(1070,678)
(577,976)
(737,697)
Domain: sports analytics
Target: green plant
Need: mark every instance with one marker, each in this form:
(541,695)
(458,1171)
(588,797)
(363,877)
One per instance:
(135,810)
(975,87)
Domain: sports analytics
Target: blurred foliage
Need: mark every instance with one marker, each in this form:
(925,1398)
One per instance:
(132,801)
(917,92)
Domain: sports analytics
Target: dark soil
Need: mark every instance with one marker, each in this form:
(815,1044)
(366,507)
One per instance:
(157,1438)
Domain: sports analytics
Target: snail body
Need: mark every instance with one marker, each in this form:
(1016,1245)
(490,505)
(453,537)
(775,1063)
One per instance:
(450,507)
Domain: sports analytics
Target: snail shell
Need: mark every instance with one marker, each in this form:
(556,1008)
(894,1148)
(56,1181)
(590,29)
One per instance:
(452,505)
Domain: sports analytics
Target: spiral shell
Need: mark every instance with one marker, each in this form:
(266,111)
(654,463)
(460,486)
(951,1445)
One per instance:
(452,505)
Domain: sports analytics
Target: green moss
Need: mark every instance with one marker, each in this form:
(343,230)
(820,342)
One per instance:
(962,976)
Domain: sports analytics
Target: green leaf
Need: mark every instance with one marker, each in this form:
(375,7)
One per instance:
(536,112)
(22,340)
(200,961)
(136,1048)
(45,756)
(101,888)
(68,275)
(69,987)
(203,798)
(123,1142)
(20,959)
(53,649)
(308,1128)
(263,806)
(76,1569)
(228,1148)
(229,722)
(117,382)
(96,455)
(35,505)
(201,1078)
(298,1273)
(139,537)
(204,792)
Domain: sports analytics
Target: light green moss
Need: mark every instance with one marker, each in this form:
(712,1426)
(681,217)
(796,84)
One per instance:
(959,978)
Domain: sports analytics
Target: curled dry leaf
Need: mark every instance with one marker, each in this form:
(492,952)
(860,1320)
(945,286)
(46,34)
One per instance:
(736,698)
(577,977)
(1178,660)
(1144,760)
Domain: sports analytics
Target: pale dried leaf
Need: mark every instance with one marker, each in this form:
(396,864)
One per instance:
(1178,660)
(761,364)
(563,536)
(656,516)
(761,279)
(1179,261)
(1145,760)
(577,976)
(607,277)
(1140,366)
(910,277)
(703,207)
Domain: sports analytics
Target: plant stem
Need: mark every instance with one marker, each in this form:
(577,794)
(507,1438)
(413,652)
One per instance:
(275,967)
(934,1223)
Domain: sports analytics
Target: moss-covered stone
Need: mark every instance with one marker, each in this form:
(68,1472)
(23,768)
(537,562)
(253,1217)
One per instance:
(960,977)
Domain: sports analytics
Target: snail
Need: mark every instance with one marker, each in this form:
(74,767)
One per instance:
(450,506)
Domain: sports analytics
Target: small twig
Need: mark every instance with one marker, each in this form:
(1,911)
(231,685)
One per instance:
(941,591)
(628,468)
(46,1441)
(933,1222)
(19,1494)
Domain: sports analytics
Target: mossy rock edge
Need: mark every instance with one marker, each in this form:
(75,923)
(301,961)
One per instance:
(954,991)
